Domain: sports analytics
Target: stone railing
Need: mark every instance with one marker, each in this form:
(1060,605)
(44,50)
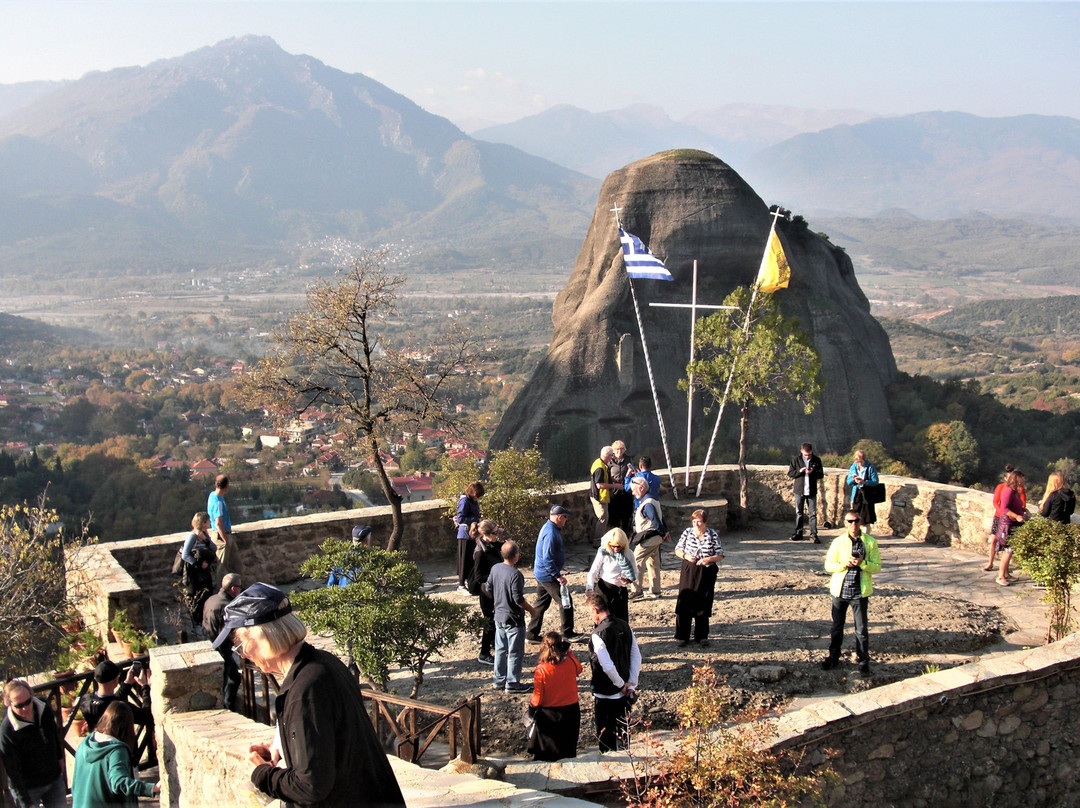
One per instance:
(134,575)
(996,732)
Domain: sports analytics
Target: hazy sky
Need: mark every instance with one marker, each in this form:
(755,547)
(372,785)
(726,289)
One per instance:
(499,61)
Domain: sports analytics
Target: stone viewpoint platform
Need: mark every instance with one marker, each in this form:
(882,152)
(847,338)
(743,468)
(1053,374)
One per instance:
(1000,727)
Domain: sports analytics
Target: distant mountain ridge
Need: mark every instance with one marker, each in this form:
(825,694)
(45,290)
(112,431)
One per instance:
(933,164)
(240,147)
(597,143)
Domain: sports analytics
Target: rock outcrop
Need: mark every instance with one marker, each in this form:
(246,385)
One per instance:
(592,386)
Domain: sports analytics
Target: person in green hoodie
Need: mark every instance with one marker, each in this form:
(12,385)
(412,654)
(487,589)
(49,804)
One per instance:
(104,775)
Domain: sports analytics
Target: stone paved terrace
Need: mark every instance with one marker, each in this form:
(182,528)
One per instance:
(906,562)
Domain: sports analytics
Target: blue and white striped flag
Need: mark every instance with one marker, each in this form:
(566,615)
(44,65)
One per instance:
(640,262)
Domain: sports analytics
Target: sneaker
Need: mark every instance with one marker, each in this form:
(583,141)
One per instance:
(635,595)
(464,589)
(518,687)
(486,659)
(497,687)
(816,540)
(797,536)
(533,640)
(682,643)
(829,663)
(653,596)
(864,668)
(703,643)
(573,636)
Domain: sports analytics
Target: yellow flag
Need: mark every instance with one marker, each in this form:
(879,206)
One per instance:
(774,272)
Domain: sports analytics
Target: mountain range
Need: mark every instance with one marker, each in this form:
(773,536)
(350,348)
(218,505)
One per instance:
(241,153)
(236,150)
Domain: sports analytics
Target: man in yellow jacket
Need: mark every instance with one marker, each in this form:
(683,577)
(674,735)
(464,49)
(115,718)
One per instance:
(852,560)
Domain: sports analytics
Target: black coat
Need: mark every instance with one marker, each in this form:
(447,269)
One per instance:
(32,752)
(332,755)
(817,471)
(1059,506)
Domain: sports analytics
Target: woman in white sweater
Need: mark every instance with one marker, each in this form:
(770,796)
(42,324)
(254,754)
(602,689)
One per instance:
(612,572)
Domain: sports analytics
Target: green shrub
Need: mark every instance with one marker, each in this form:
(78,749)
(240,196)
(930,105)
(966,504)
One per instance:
(1049,552)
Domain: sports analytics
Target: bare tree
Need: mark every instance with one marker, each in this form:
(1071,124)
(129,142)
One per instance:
(335,355)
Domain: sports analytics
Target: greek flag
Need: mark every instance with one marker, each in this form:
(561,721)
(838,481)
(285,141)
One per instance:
(640,262)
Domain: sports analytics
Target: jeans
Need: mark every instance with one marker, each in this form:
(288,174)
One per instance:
(509,651)
(862,636)
(810,500)
(230,678)
(51,795)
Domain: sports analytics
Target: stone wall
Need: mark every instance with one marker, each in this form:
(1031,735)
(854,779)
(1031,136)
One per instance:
(1004,733)
(134,575)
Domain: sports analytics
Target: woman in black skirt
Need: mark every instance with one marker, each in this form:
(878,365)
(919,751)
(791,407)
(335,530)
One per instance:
(554,703)
(700,550)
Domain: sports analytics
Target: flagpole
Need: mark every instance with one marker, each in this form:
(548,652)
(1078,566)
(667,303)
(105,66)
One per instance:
(735,359)
(690,386)
(648,369)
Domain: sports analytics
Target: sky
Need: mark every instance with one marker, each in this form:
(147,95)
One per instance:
(494,62)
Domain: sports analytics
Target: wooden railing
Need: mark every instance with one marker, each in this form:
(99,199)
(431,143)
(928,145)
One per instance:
(412,739)
(77,686)
(397,720)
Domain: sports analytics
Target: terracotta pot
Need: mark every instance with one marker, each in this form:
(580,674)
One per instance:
(82,729)
(125,648)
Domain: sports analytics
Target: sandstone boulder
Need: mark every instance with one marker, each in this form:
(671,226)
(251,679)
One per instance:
(592,388)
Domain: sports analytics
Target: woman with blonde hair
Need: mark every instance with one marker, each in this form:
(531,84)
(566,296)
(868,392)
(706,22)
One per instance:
(613,571)
(554,703)
(1059,502)
(104,769)
(200,559)
(324,746)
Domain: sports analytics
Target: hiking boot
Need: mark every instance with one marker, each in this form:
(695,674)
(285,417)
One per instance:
(797,537)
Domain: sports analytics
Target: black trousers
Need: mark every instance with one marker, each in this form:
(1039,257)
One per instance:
(862,634)
(612,723)
(547,591)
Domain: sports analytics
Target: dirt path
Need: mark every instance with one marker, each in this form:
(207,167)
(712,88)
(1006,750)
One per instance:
(769,631)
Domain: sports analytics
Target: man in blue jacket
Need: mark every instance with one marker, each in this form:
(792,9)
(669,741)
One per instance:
(547,569)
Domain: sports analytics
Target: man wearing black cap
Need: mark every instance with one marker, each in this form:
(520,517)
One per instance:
(547,569)
(326,752)
(109,689)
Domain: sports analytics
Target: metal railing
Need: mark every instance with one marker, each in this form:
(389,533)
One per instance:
(74,687)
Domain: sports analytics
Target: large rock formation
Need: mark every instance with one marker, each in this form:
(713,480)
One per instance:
(592,386)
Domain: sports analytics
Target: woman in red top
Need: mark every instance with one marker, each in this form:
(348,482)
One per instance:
(998,511)
(554,703)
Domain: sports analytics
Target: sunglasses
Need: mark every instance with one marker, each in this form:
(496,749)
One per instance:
(853,521)
(22,705)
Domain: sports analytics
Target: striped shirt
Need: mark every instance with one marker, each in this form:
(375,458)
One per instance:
(694,546)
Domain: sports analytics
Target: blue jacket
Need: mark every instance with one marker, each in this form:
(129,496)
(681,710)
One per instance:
(652,479)
(550,555)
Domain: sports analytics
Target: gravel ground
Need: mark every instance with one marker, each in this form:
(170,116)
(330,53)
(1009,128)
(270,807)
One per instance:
(769,632)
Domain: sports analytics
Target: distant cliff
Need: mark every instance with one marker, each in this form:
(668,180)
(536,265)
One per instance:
(592,386)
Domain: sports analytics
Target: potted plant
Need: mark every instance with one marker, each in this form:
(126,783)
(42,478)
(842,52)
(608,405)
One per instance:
(82,729)
(120,625)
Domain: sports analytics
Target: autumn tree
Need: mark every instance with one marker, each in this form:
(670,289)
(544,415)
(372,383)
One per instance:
(334,355)
(33,596)
(759,357)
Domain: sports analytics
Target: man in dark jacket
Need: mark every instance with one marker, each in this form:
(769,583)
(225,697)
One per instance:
(31,749)
(806,472)
(108,688)
(330,752)
(615,660)
(213,621)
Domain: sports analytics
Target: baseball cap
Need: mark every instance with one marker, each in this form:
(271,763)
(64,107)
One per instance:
(259,603)
(106,671)
(361,532)
(559,510)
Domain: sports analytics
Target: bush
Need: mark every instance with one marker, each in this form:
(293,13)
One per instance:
(382,617)
(1049,552)
(720,763)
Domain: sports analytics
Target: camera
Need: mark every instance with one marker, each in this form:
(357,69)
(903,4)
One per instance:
(137,669)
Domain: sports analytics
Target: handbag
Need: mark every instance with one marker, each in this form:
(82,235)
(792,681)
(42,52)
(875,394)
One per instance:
(873,493)
(178,563)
